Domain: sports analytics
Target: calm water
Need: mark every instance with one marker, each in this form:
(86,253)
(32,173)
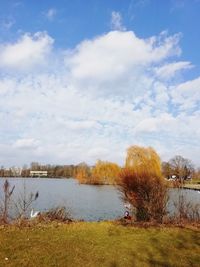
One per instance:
(87,202)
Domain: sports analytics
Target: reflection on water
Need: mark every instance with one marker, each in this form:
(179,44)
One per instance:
(87,202)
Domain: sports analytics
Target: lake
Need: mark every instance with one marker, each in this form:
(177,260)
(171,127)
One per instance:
(86,202)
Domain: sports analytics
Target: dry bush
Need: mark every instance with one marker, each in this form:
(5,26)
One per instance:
(177,184)
(57,214)
(5,203)
(82,173)
(23,204)
(142,184)
(185,211)
(147,193)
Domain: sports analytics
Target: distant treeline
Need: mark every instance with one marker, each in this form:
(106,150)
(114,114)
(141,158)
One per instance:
(101,173)
(66,171)
(104,172)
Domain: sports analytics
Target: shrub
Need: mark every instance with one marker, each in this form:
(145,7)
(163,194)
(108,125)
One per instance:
(186,211)
(4,206)
(143,185)
(57,214)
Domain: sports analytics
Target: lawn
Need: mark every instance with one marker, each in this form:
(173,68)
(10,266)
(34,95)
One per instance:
(98,244)
(192,186)
(194,181)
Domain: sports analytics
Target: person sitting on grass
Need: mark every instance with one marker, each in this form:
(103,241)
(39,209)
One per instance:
(127,215)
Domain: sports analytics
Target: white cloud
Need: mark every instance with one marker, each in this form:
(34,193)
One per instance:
(156,124)
(105,98)
(119,62)
(116,51)
(187,94)
(161,100)
(28,51)
(98,153)
(50,14)
(80,124)
(26,143)
(116,21)
(169,70)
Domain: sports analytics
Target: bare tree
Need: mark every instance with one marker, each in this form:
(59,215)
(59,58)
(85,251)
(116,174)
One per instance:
(7,193)
(181,167)
(24,202)
(167,170)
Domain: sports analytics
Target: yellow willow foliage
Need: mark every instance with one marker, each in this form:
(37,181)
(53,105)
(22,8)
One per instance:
(143,160)
(106,172)
(82,174)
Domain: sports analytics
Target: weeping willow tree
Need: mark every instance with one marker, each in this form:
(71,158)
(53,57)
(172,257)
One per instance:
(105,172)
(143,159)
(83,173)
(142,183)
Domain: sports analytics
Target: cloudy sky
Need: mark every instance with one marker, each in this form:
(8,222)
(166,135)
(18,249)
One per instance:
(83,80)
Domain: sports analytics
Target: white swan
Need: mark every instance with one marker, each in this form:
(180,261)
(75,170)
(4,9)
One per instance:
(34,214)
(127,206)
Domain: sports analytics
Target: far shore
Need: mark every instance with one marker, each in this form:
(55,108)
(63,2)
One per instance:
(195,185)
(192,186)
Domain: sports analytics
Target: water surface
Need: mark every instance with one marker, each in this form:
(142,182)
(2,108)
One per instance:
(87,202)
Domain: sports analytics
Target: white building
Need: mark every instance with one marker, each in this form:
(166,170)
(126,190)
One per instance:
(38,173)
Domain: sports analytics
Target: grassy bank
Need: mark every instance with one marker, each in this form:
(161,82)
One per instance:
(192,186)
(98,244)
(195,181)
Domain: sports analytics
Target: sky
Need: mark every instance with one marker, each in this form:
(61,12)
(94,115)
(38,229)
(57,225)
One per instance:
(84,80)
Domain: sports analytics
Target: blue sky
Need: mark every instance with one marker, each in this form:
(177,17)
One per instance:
(83,80)
(75,20)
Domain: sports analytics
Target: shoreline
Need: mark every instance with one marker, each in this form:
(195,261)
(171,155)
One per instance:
(195,187)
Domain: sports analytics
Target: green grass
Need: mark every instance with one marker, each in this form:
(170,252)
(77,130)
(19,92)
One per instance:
(98,244)
(194,181)
(192,186)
